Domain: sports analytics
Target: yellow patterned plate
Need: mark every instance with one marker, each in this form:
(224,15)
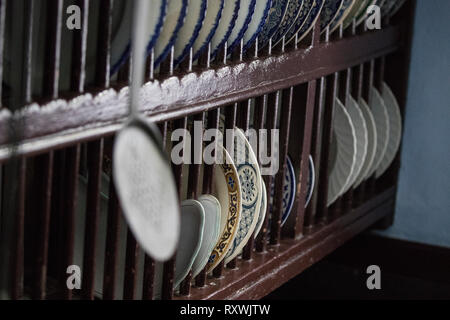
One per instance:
(228,191)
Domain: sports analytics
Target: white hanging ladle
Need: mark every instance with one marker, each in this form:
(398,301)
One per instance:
(142,175)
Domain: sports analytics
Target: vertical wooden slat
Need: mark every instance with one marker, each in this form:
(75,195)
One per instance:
(285,123)
(131,266)
(104,43)
(330,95)
(271,124)
(94,165)
(112,245)
(208,174)
(2,42)
(169,266)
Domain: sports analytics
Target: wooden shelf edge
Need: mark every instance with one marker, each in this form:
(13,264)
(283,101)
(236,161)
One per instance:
(62,123)
(253,280)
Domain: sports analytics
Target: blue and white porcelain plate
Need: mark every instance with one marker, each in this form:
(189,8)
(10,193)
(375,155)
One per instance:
(243,20)
(292,13)
(190,29)
(226,25)
(311,181)
(311,20)
(300,21)
(329,12)
(259,18)
(210,25)
(250,181)
(276,15)
(342,14)
(289,189)
(176,14)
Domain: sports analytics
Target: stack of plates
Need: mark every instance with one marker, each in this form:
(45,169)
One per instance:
(366,140)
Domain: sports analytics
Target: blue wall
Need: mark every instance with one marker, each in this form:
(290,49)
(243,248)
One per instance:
(423,203)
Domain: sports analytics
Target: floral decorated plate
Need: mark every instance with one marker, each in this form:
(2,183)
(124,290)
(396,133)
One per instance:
(276,15)
(330,11)
(342,14)
(311,20)
(250,181)
(292,13)
(300,21)
(228,192)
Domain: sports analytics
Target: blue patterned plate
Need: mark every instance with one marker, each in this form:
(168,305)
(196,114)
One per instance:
(289,189)
(250,181)
(301,19)
(311,181)
(310,20)
(121,46)
(344,11)
(210,24)
(329,12)
(176,13)
(292,13)
(190,29)
(276,15)
(259,18)
(226,25)
(243,20)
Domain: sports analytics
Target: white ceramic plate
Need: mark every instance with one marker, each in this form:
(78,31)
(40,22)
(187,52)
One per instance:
(174,20)
(192,225)
(228,192)
(263,209)
(359,123)
(210,24)
(342,152)
(245,15)
(371,142)
(250,181)
(311,20)
(381,117)
(190,30)
(311,180)
(359,6)
(210,232)
(257,23)
(395,130)
(226,25)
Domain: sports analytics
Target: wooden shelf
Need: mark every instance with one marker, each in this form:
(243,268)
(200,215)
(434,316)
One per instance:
(267,271)
(65,122)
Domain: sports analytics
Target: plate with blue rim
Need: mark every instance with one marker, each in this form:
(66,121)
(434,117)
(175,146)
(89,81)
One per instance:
(300,21)
(121,45)
(244,18)
(343,12)
(311,20)
(190,30)
(292,13)
(257,23)
(273,20)
(329,12)
(289,189)
(210,25)
(250,180)
(175,17)
(227,21)
(311,180)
